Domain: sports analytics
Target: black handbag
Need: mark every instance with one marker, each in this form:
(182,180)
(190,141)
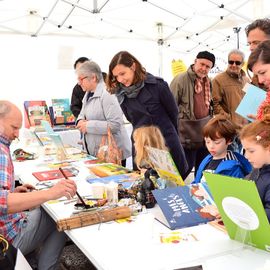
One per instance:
(190,132)
(8,254)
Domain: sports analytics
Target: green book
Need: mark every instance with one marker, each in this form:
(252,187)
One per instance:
(61,112)
(241,209)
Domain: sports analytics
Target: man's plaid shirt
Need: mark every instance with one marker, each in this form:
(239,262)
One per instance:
(10,224)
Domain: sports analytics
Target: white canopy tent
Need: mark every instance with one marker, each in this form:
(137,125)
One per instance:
(181,25)
(46,37)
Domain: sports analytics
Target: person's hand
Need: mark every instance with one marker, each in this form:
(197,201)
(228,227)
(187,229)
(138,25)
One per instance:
(212,210)
(24,188)
(64,188)
(200,192)
(82,126)
(252,116)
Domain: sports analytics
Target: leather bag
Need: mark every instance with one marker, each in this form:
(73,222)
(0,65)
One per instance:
(190,132)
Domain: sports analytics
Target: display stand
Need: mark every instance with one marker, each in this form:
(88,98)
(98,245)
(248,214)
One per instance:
(243,235)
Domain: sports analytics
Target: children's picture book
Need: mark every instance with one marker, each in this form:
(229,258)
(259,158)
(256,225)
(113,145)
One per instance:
(251,101)
(41,138)
(61,113)
(35,111)
(184,206)
(241,209)
(164,165)
(107,169)
(55,174)
(55,139)
(126,180)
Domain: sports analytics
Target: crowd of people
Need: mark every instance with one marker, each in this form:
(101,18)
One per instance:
(193,118)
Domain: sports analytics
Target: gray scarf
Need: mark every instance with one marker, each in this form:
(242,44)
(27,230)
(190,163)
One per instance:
(130,91)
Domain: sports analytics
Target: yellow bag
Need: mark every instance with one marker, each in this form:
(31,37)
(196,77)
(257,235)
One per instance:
(108,150)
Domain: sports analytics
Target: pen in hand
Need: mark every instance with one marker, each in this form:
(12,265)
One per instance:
(86,206)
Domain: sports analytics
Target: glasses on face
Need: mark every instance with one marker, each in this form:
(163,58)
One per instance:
(81,79)
(231,62)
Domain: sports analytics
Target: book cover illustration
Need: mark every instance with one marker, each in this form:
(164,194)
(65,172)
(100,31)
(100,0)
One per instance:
(184,206)
(55,174)
(164,165)
(241,209)
(92,161)
(126,180)
(107,169)
(61,112)
(251,101)
(35,111)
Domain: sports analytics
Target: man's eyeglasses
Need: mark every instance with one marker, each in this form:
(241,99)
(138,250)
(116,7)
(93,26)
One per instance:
(81,79)
(231,62)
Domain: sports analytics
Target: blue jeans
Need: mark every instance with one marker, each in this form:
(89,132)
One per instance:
(39,233)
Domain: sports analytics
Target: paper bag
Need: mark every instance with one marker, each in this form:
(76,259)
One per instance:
(108,149)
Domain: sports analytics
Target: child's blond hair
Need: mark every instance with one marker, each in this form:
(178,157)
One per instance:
(147,136)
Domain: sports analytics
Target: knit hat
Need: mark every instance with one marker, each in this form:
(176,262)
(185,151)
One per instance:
(207,55)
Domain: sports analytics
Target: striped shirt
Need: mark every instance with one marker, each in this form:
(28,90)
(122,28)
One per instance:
(10,224)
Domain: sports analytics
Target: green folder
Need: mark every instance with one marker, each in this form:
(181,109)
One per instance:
(241,209)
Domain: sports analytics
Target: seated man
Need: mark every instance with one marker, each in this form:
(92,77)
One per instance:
(32,230)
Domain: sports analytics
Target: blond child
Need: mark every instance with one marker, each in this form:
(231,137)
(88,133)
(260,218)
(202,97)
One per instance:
(147,136)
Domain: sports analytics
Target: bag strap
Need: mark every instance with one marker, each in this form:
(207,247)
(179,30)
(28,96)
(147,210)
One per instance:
(4,244)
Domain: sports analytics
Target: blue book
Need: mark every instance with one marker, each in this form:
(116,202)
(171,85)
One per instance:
(251,101)
(184,206)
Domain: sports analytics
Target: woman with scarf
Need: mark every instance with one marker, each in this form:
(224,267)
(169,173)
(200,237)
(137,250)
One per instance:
(146,100)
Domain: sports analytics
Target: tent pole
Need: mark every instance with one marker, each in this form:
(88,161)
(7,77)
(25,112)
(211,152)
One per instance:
(45,19)
(160,48)
(73,7)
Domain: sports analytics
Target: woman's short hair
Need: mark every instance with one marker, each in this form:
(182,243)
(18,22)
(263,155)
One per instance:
(90,68)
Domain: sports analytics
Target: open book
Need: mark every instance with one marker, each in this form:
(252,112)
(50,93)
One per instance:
(164,165)
(184,206)
(241,209)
